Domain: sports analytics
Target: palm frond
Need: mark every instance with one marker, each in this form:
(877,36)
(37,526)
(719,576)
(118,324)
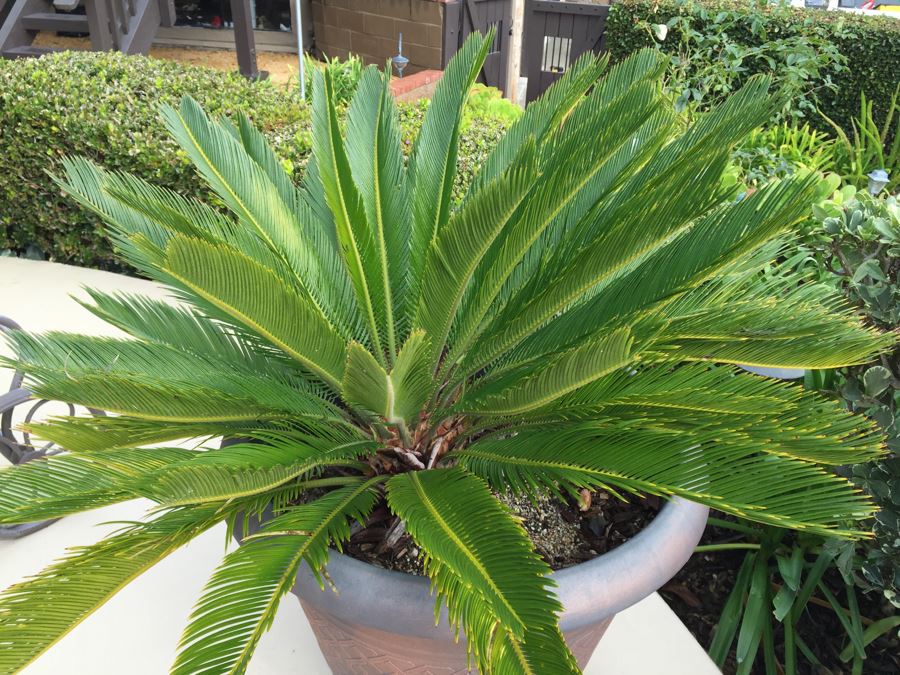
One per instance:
(542,115)
(51,487)
(476,551)
(459,248)
(246,469)
(354,233)
(96,434)
(396,397)
(240,600)
(727,470)
(378,168)
(152,381)
(38,612)
(521,391)
(432,165)
(255,297)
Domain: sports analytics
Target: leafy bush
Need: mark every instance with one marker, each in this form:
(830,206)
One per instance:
(780,150)
(488,103)
(866,146)
(344,73)
(106,107)
(572,324)
(854,243)
(103,106)
(868,46)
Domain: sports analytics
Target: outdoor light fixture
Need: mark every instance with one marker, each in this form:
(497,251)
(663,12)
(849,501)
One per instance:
(878,179)
(400,62)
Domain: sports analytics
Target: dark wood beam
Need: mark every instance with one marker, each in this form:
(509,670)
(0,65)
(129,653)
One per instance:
(244,42)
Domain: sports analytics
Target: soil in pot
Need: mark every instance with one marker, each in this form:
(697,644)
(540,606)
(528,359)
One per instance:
(565,533)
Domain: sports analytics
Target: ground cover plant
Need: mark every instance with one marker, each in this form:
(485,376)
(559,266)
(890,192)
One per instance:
(573,322)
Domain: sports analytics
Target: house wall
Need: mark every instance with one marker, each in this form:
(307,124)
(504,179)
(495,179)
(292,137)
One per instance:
(371,28)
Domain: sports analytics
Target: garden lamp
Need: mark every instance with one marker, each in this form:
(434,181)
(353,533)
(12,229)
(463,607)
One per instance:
(878,179)
(400,62)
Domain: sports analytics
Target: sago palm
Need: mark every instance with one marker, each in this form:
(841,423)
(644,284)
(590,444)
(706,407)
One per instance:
(572,323)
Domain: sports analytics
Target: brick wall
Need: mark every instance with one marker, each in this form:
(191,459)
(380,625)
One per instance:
(370,28)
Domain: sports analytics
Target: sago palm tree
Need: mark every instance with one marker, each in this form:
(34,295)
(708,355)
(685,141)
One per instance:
(573,322)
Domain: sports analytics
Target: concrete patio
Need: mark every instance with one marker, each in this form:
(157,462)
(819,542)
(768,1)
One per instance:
(137,632)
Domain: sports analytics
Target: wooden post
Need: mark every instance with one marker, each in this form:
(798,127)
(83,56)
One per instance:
(514,59)
(244,42)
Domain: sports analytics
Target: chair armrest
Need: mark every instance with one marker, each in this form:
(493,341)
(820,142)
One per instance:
(11,399)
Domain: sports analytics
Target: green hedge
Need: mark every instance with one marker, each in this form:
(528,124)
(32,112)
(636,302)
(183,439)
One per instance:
(105,106)
(871,45)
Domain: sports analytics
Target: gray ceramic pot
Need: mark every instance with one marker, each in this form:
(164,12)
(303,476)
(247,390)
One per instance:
(380,622)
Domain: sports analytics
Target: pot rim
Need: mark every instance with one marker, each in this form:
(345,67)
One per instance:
(591,591)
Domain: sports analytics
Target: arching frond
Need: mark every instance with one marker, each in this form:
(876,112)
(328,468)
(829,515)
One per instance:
(472,541)
(51,487)
(240,600)
(255,297)
(432,165)
(726,469)
(38,612)
(246,469)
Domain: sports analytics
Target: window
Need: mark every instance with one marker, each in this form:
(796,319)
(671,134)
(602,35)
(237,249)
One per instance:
(265,14)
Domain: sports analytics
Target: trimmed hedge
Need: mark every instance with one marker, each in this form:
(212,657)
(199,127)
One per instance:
(105,107)
(870,44)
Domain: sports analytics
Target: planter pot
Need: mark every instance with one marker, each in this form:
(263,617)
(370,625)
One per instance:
(379,621)
(777,373)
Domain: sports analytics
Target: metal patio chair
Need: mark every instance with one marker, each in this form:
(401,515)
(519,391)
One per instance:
(17,447)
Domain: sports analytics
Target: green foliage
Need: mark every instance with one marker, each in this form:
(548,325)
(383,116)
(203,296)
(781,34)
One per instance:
(570,317)
(488,102)
(781,150)
(867,146)
(854,244)
(106,107)
(733,39)
(345,74)
(774,585)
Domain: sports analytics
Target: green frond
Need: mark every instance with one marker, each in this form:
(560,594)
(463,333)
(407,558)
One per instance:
(681,180)
(714,245)
(476,551)
(257,298)
(95,434)
(35,614)
(432,165)
(52,487)
(151,381)
(354,233)
(623,132)
(780,418)
(459,248)
(725,469)
(246,469)
(784,322)
(532,388)
(542,115)
(184,328)
(397,397)
(376,162)
(412,378)
(240,600)
(243,182)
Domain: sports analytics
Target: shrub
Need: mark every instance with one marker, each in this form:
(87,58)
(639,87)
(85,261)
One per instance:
(103,106)
(870,46)
(780,150)
(106,107)
(854,243)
